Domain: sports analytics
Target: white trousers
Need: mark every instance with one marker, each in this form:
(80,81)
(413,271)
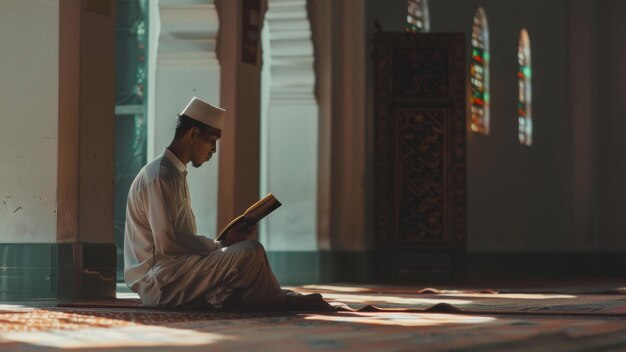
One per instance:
(236,276)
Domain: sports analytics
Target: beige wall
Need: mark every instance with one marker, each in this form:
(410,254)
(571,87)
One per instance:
(29,54)
(57,102)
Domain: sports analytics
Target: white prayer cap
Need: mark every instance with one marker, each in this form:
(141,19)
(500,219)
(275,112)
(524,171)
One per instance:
(204,112)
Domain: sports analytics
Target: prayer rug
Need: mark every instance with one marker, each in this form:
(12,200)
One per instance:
(409,319)
(14,318)
(130,330)
(478,301)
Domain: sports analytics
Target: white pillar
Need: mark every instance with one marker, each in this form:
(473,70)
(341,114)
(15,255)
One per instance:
(289,128)
(186,66)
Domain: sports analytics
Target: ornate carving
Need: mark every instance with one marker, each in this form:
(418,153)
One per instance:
(188,32)
(291,54)
(420,71)
(419,159)
(420,135)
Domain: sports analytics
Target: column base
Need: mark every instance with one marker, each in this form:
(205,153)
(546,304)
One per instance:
(57,271)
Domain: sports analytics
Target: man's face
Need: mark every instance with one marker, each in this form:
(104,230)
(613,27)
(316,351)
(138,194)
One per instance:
(204,144)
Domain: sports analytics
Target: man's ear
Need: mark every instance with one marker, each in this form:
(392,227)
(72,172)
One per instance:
(194,132)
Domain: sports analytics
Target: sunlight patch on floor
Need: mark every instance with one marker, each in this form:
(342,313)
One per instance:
(402,319)
(126,336)
(126,295)
(377,299)
(509,295)
(13,307)
(335,288)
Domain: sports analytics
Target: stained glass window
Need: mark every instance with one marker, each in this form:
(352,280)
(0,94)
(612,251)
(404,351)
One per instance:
(417,18)
(479,73)
(524,74)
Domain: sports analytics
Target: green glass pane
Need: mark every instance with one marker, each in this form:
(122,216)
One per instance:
(527,71)
(130,105)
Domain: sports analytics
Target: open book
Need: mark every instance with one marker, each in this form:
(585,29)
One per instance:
(253,214)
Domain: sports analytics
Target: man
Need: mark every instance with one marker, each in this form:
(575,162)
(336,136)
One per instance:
(166,262)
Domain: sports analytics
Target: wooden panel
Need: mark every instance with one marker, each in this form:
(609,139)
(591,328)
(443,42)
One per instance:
(420,136)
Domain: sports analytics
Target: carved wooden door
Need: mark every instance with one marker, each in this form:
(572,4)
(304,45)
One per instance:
(420,124)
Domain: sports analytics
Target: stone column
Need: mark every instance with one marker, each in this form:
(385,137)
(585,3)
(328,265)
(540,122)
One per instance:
(56,187)
(345,153)
(345,174)
(240,96)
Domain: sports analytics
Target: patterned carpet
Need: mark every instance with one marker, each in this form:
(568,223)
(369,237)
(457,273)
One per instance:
(603,326)
(16,319)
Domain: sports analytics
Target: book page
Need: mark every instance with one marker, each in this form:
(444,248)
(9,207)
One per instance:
(261,208)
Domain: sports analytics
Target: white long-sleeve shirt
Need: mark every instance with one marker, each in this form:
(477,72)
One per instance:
(160,240)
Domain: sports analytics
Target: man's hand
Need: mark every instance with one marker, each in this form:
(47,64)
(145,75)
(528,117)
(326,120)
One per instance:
(239,232)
